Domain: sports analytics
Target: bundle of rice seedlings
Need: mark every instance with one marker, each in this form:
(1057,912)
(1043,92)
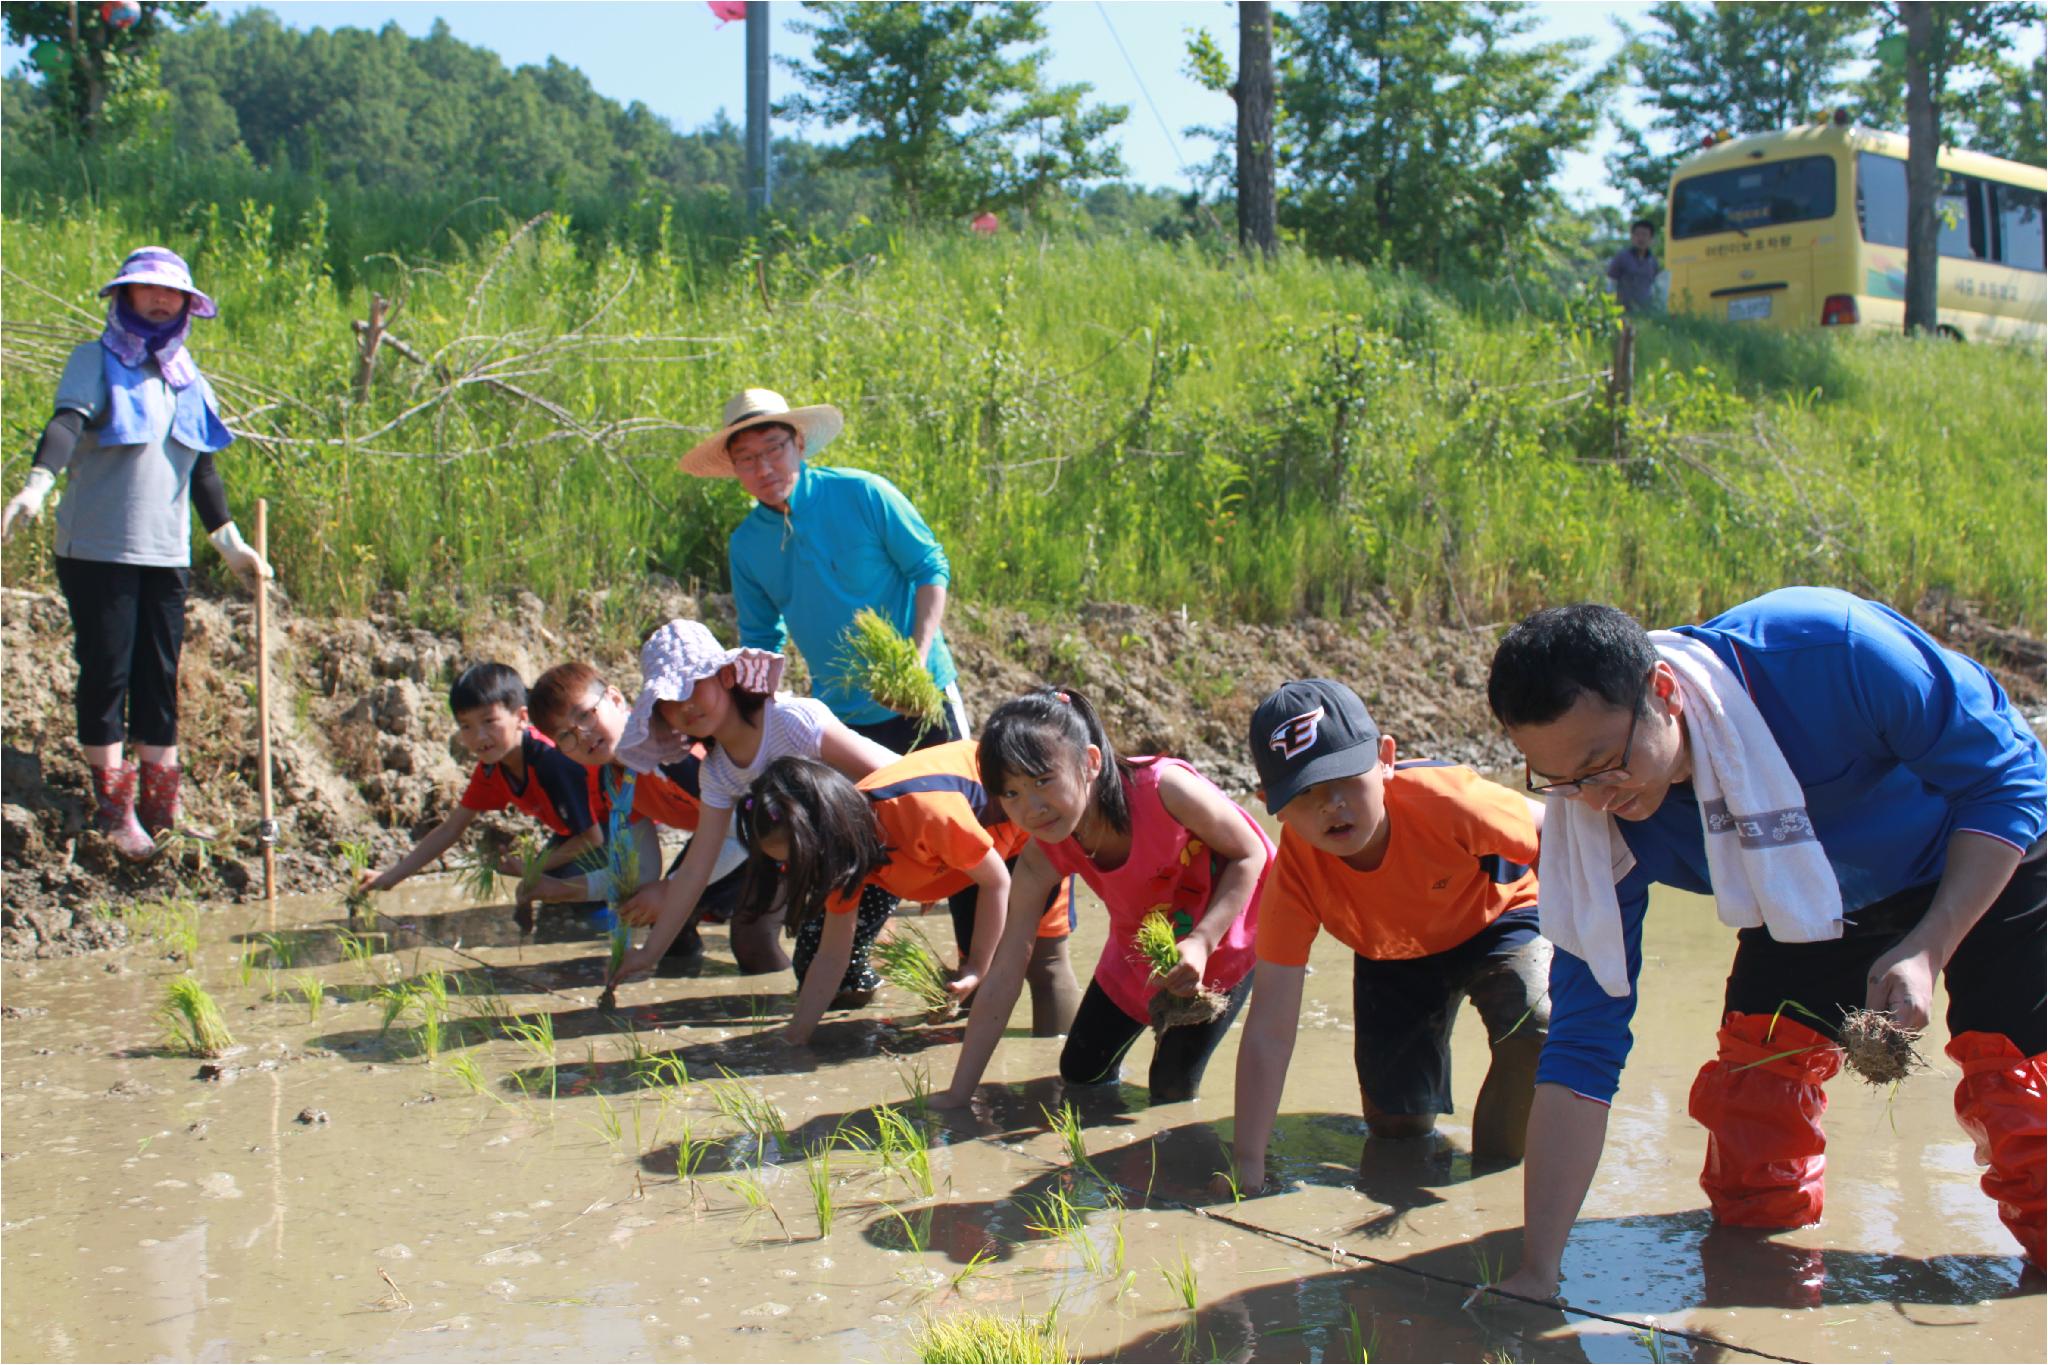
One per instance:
(1878,1049)
(881,661)
(906,961)
(192,1021)
(1160,950)
(972,1338)
(355,856)
(479,881)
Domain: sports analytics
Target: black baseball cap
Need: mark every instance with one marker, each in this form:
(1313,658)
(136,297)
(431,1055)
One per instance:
(1308,732)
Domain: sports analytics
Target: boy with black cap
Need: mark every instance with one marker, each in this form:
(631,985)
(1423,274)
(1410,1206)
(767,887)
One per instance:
(1424,870)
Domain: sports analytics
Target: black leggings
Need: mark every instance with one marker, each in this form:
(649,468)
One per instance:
(873,912)
(1102,1033)
(128,626)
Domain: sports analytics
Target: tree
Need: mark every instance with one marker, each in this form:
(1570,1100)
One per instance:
(1253,92)
(956,122)
(2008,112)
(84,60)
(1931,71)
(1986,101)
(1738,67)
(1424,134)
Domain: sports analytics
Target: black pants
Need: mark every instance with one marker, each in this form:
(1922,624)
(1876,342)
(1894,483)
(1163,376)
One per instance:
(875,907)
(1102,1033)
(1994,979)
(128,626)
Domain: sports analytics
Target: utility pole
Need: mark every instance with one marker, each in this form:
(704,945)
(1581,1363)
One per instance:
(759,178)
(1254,95)
(1923,181)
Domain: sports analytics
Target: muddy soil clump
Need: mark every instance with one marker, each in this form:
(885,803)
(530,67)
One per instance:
(364,747)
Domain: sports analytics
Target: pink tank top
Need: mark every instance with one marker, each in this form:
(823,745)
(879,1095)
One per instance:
(1171,870)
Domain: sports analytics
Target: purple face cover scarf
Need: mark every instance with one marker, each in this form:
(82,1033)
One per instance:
(133,339)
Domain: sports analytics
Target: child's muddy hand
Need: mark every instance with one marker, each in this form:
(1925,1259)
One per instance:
(960,987)
(643,907)
(1186,979)
(950,1099)
(789,1035)
(374,881)
(636,964)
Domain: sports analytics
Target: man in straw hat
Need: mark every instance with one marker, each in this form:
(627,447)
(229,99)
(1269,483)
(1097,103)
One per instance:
(821,544)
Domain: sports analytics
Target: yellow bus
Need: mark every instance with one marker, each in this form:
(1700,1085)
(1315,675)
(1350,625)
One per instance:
(1807,227)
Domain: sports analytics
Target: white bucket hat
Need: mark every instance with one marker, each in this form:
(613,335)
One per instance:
(672,662)
(758,407)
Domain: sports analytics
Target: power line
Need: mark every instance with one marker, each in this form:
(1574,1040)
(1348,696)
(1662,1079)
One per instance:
(1171,141)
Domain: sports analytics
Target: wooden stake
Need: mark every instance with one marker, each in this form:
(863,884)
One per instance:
(266,833)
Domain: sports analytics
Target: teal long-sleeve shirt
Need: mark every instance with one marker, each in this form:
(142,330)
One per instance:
(850,540)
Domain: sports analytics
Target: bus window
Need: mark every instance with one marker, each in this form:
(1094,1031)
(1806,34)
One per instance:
(1959,221)
(1881,199)
(2020,217)
(1744,198)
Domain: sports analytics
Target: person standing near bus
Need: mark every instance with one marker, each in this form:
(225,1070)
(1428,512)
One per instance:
(1634,269)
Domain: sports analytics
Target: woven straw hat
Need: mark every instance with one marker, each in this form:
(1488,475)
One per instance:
(758,407)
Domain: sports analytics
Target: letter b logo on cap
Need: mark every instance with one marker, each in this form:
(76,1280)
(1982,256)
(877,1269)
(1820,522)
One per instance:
(1296,733)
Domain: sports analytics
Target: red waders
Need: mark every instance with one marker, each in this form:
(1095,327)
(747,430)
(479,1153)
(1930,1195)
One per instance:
(1761,1103)
(1999,1102)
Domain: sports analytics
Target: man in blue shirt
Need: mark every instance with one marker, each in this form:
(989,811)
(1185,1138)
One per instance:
(1925,792)
(820,544)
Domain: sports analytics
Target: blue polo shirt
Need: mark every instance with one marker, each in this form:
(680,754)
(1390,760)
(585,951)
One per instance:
(851,540)
(1898,744)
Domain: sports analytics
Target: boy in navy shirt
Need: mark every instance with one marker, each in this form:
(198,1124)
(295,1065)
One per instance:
(517,766)
(1918,784)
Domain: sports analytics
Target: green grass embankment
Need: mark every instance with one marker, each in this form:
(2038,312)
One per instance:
(1108,420)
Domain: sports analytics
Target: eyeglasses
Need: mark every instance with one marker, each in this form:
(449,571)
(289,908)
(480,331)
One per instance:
(580,723)
(1608,776)
(753,457)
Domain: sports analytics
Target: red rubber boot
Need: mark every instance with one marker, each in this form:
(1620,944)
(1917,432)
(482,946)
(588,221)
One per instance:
(114,790)
(1761,1103)
(2000,1104)
(159,803)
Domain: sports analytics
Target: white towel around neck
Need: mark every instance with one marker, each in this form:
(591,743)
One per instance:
(1765,862)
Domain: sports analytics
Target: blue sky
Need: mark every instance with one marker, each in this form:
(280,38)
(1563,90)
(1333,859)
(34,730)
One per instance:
(675,57)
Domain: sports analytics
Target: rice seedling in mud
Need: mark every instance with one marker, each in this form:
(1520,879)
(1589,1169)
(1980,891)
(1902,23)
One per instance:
(917,1232)
(881,661)
(172,921)
(907,961)
(1055,1214)
(1487,1265)
(917,1085)
(359,949)
(312,992)
(463,1067)
(192,1021)
(1360,1343)
(1652,1342)
(757,1201)
(1181,1279)
(903,1147)
(818,1175)
(537,1036)
(690,1153)
(282,948)
(1160,950)
(1066,1125)
(755,1113)
(245,965)
(977,1266)
(394,1001)
(981,1338)
(608,1125)
(173,844)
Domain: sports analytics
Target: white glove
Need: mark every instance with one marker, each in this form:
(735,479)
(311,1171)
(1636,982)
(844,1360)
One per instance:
(27,505)
(237,552)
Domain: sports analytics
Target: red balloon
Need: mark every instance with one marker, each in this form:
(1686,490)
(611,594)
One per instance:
(728,10)
(120,13)
(987,225)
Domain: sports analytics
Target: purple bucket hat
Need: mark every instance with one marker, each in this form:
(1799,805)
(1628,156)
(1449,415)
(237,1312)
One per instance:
(672,662)
(160,265)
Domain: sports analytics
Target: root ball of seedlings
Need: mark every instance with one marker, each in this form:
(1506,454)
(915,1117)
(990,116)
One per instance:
(1878,1049)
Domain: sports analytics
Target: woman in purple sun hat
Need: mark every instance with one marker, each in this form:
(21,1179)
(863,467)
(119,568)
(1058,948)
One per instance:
(137,425)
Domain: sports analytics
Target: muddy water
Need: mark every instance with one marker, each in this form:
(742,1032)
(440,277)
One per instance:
(153,1215)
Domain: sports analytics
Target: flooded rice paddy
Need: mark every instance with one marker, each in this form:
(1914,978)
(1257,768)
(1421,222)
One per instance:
(337,1193)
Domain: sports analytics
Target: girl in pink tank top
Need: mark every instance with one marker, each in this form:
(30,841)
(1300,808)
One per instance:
(1149,834)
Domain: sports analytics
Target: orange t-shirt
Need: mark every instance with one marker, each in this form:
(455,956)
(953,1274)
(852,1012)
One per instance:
(938,821)
(1460,854)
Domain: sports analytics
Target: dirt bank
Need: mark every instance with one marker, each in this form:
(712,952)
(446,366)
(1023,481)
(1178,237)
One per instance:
(364,744)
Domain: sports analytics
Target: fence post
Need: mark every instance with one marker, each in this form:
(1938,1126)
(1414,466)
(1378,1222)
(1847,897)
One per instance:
(1621,385)
(373,337)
